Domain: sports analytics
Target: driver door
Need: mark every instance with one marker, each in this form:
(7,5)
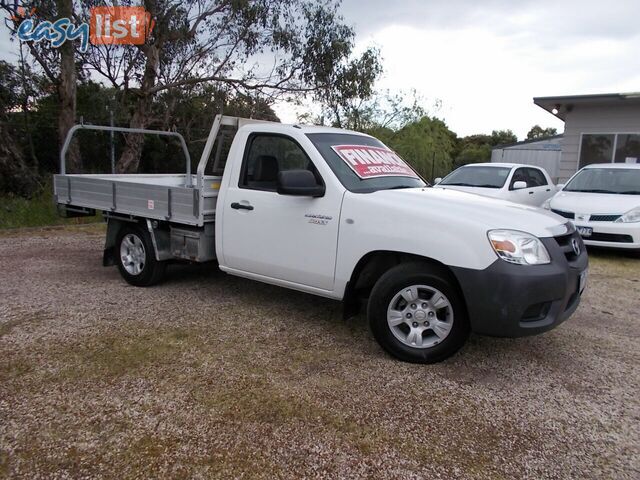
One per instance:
(283,237)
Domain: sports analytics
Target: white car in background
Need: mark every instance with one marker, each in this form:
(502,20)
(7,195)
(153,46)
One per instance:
(524,184)
(603,200)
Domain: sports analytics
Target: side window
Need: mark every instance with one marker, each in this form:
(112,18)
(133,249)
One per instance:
(268,154)
(520,175)
(537,178)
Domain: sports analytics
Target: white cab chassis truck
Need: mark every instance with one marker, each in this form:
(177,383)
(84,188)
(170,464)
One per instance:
(336,213)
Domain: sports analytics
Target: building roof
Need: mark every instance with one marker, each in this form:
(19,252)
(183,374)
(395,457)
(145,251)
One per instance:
(560,106)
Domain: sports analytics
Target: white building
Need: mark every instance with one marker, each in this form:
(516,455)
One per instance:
(598,129)
(543,152)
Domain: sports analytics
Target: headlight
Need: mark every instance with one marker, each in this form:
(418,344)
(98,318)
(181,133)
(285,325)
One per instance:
(518,247)
(632,216)
(547,204)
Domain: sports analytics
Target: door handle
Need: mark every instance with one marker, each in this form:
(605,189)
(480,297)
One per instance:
(531,193)
(548,189)
(241,206)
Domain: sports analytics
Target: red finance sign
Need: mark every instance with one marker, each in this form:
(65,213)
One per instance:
(372,162)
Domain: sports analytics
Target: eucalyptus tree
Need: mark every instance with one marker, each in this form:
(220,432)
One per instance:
(266,49)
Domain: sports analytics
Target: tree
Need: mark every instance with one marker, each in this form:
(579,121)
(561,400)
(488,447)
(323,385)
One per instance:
(190,111)
(58,64)
(477,148)
(258,50)
(16,175)
(379,110)
(538,132)
(348,87)
(427,144)
(473,154)
(205,41)
(502,137)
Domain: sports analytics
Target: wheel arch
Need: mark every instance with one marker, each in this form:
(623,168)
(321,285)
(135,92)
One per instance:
(158,231)
(114,225)
(374,264)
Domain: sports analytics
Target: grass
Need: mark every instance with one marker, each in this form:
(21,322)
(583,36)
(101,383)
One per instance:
(38,211)
(112,356)
(4,463)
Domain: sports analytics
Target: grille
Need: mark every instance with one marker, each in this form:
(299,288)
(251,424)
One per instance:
(604,218)
(610,237)
(564,214)
(564,241)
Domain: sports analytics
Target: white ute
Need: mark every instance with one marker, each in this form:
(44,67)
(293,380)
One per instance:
(337,214)
(515,182)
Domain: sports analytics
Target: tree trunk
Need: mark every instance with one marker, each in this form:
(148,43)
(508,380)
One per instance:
(15,174)
(26,115)
(66,87)
(129,161)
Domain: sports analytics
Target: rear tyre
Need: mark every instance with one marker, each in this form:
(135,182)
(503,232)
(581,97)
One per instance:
(417,314)
(135,257)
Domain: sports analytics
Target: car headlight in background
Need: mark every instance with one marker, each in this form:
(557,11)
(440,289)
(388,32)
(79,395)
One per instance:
(632,216)
(547,204)
(518,247)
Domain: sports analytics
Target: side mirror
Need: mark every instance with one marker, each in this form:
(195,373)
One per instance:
(437,180)
(560,186)
(301,183)
(519,185)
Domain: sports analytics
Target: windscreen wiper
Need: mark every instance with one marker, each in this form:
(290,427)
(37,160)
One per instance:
(630,192)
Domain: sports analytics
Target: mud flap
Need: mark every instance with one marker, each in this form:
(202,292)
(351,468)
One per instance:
(109,254)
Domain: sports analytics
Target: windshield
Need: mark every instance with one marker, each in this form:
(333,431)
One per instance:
(364,164)
(478,176)
(621,181)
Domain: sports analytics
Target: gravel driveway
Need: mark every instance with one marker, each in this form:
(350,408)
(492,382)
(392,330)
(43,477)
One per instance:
(209,375)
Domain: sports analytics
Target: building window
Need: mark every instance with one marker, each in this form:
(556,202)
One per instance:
(596,148)
(609,147)
(628,149)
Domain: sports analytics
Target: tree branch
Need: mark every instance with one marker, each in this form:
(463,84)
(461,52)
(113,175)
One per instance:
(237,82)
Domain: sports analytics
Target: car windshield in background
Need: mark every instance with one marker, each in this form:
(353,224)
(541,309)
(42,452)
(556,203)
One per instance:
(620,181)
(388,172)
(484,177)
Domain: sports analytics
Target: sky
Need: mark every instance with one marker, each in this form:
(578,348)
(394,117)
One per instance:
(485,60)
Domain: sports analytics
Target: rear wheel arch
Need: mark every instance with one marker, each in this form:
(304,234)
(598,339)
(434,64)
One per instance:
(114,225)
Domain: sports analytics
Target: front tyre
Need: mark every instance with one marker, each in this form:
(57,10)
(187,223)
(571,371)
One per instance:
(136,260)
(416,313)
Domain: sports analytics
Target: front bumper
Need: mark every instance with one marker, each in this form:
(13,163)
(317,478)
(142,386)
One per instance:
(612,234)
(507,300)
